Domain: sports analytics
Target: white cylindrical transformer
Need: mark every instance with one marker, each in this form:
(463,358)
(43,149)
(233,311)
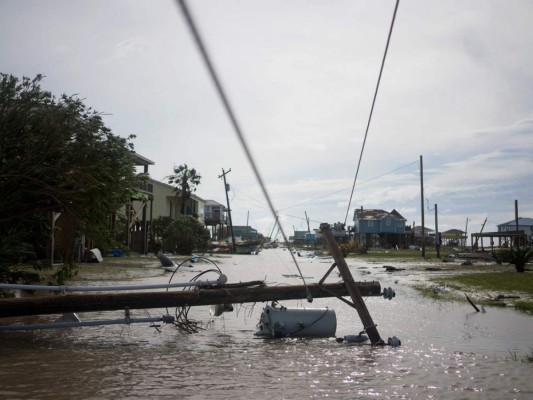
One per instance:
(277,321)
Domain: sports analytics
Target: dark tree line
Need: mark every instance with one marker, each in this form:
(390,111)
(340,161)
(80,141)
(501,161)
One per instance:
(56,155)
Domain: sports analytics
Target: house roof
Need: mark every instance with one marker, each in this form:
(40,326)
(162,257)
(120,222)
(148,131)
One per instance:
(193,196)
(242,227)
(454,231)
(371,213)
(141,160)
(453,234)
(397,214)
(521,221)
(214,203)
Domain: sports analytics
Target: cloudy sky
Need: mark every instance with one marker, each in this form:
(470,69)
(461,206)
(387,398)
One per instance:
(457,88)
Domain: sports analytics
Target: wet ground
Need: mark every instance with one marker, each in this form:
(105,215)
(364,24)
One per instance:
(448,350)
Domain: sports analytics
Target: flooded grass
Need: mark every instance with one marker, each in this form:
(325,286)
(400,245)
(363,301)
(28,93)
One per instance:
(486,282)
(496,289)
(494,281)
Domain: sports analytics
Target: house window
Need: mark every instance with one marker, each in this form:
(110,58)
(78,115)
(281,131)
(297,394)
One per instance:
(388,222)
(370,224)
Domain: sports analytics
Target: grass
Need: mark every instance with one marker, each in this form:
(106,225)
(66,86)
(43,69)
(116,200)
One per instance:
(513,355)
(392,254)
(483,281)
(494,281)
(476,279)
(505,288)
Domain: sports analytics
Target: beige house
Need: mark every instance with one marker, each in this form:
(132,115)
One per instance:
(158,200)
(166,202)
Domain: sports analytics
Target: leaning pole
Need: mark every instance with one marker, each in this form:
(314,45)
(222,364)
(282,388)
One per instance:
(351,287)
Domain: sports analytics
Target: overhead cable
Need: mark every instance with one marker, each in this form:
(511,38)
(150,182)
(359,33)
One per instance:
(229,110)
(372,109)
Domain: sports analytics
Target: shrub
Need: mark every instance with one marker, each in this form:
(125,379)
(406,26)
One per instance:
(517,257)
(181,235)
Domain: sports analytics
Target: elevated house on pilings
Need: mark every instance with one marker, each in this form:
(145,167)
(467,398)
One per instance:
(338,233)
(428,237)
(510,234)
(138,211)
(153,199)
(379,228)
(524,226)
(163,201)
(299,237)
(453,237)
(243,232)
(135,216)
(216,219)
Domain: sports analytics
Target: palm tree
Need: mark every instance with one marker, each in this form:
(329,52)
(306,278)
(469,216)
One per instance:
(518,257)
(185,181)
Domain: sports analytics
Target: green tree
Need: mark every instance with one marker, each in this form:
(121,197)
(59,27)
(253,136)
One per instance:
(56,155)
(185,181)
(181,235)
(517,257)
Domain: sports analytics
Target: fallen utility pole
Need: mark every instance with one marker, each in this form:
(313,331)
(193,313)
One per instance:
(226,294)
(351,286)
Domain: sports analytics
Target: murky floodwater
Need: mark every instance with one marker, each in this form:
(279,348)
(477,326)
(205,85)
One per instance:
(448,350)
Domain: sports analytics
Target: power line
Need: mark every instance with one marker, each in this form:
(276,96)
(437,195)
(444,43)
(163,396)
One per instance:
(236,127)
(347,188)
(257,203)
(372,109)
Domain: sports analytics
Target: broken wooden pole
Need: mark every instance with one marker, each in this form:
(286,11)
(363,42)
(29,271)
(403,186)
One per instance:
(355,293)
(59,304)
(472,303)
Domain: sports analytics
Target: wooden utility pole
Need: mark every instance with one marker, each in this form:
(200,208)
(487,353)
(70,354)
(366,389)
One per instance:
(368,324)
(422,206)
(466,232)
(517,224)
(437,238)
(474,247)
(225,294)
(226,188)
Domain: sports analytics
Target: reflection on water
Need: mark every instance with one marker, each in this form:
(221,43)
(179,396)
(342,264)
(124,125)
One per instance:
(448,351)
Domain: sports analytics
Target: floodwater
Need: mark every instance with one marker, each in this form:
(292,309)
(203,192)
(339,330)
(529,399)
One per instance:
(448,350)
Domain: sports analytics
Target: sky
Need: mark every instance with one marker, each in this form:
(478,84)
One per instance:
(300,75)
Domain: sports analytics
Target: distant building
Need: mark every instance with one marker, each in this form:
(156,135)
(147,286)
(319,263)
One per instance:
(167,203)
(337,230)
(299,237)
(453,237)
(524,224)
(379,228)
(215,219)
(245,233)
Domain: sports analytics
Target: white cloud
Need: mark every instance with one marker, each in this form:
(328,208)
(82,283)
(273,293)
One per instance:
(301,75)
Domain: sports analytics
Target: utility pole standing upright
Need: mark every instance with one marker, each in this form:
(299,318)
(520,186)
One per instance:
(437,236)
(466,233)
(422,207)
(517,224)
(226,188)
